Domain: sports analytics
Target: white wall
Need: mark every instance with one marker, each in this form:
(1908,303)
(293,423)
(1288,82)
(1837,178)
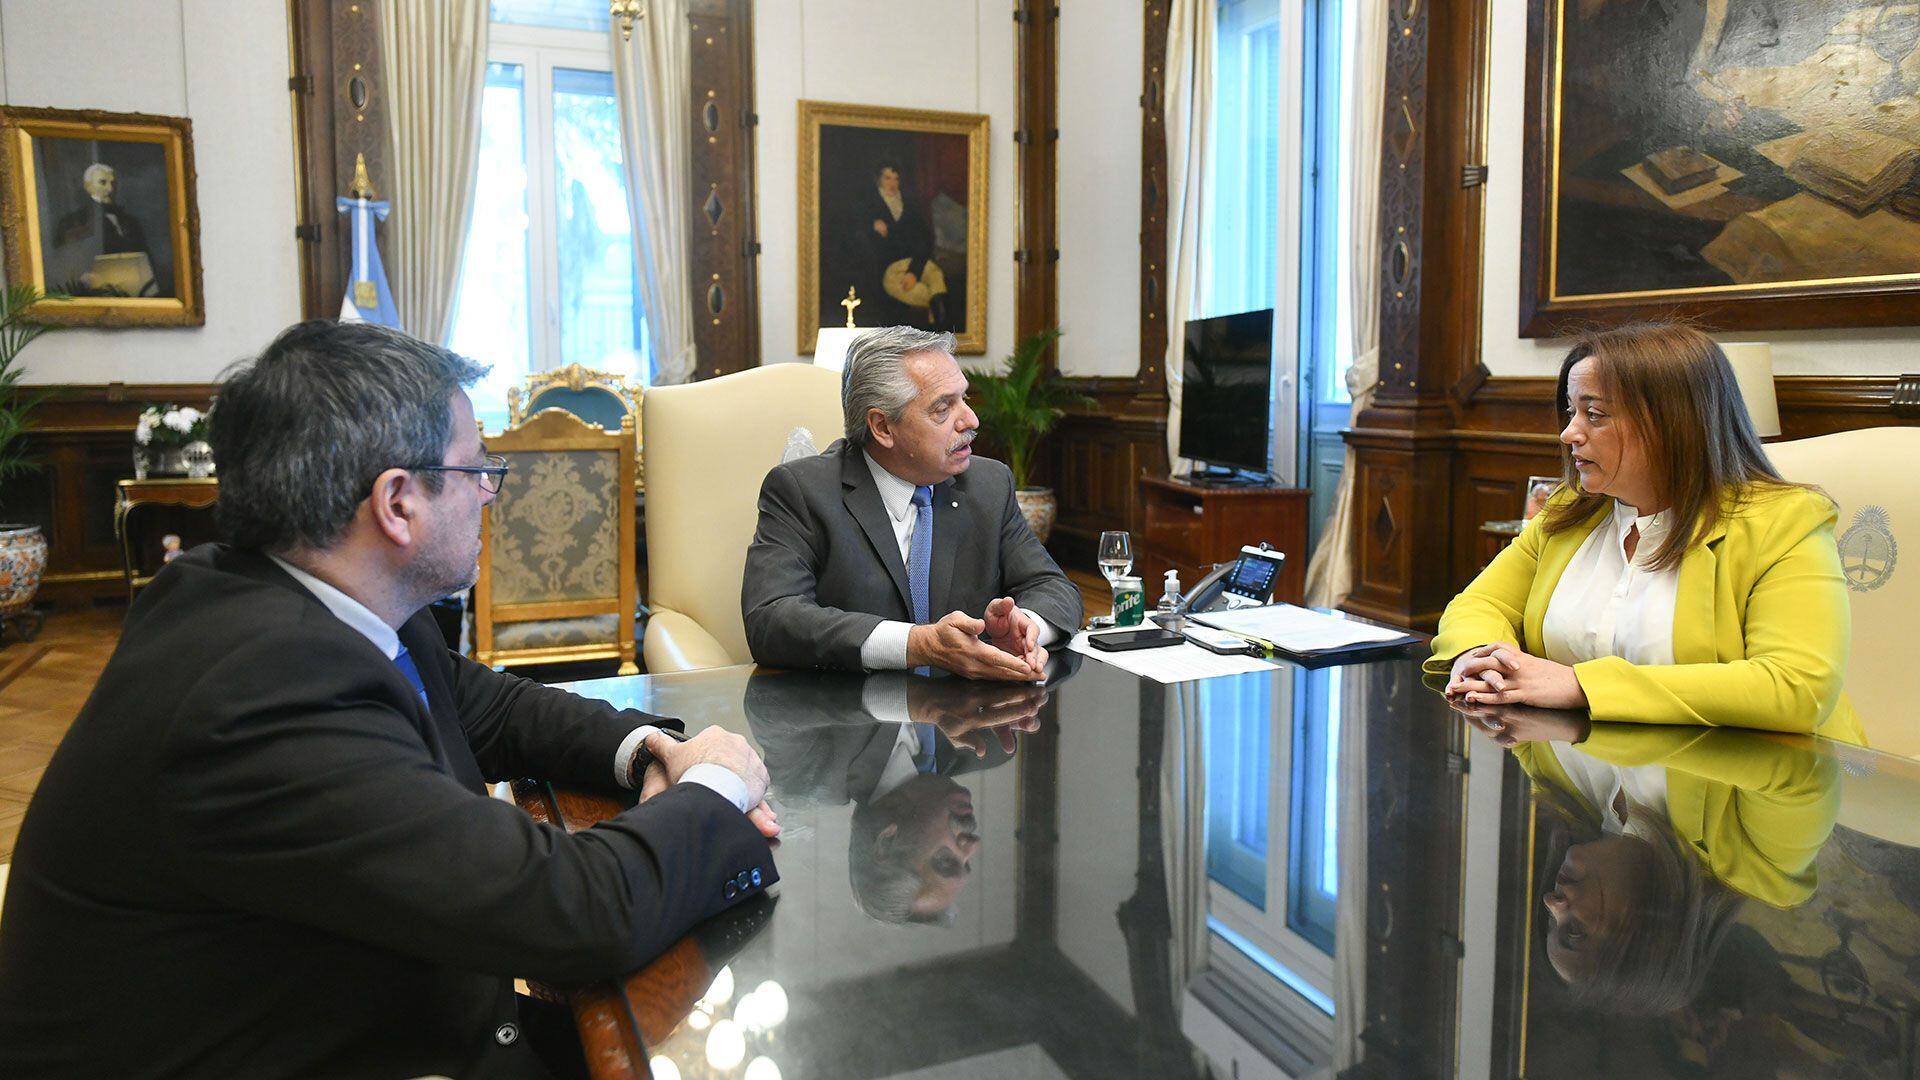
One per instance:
(224,65)
(951,55)
(1101,47)
(1882,351)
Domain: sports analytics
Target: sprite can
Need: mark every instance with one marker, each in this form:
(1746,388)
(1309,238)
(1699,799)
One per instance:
(1129,601)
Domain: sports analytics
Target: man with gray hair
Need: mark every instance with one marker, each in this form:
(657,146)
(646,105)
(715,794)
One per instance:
(895,548)
(276,794)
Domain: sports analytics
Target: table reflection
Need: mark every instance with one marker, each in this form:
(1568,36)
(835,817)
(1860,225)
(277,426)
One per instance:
(1706,902)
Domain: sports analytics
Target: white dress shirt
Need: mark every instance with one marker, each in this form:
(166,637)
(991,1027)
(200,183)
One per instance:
(375,629)
(1606,605)
(886,647)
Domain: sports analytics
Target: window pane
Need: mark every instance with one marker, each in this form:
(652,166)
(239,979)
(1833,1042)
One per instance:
(1238,263)
(1239,719)
(560,14)
(1313,861)
(490,321)
(600,322)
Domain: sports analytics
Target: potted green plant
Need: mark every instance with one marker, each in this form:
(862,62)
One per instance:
(1017,407)
(23,550)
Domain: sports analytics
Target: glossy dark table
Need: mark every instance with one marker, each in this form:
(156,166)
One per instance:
(1113,875)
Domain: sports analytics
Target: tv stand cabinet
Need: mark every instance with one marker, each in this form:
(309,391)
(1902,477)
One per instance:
(1189,528)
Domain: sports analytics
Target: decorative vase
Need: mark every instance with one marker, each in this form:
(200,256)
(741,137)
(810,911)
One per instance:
(161,461)
(197,457)
(23,558)
(1039,507)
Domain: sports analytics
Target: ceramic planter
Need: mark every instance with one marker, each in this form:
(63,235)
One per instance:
(1039,507)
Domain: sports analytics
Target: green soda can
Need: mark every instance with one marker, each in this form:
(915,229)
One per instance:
(1129,601)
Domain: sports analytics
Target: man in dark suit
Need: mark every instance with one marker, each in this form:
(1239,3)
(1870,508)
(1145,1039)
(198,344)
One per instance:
(265,847)
(895,548)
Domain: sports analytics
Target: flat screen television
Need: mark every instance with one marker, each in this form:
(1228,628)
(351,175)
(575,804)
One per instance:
(1226,395)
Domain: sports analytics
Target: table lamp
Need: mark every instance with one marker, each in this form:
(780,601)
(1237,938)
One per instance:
(1753,369)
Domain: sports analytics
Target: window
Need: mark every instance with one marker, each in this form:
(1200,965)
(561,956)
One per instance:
(1272,756)
(547,277)
(1277,231)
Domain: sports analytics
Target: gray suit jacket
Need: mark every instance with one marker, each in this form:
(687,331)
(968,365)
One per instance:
(824,568)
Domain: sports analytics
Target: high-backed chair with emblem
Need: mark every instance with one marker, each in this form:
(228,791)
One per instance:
(557,546)
(600,398)
(1869,473)
(711,445)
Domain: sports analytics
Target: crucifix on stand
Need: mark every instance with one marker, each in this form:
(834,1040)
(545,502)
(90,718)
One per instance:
(852,301)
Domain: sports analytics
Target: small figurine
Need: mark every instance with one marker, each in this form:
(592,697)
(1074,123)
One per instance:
(169,548)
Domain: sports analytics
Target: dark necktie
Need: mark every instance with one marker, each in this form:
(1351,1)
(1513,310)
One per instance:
(920,554)
(407,667)
(926,759)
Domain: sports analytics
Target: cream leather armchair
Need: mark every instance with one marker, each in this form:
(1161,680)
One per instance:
(709,446)
(1869,473)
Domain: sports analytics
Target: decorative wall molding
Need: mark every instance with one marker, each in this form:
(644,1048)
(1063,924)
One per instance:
(722,242)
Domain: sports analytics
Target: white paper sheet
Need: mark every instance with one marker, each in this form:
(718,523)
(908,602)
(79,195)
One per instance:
(1298,629)
(1184,662)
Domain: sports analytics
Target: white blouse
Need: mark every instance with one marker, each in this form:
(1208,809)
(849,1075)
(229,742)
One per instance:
(1605,605)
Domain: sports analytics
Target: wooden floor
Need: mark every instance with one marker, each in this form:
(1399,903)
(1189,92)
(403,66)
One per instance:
(43,683)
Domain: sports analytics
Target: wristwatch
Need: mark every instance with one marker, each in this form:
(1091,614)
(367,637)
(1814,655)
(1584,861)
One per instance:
(643,757)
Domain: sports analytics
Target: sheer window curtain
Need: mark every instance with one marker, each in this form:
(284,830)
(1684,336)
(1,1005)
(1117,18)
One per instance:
(435,55)
(650,76)
(1189,126)
(1330,573)
(1183,835)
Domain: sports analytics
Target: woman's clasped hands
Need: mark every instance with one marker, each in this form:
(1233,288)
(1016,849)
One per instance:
(1500,673)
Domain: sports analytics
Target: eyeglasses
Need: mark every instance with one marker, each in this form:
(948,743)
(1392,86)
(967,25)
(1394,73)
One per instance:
(491,475)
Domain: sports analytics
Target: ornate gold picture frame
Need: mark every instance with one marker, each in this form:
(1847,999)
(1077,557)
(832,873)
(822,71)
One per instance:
(893,205)
(101,206)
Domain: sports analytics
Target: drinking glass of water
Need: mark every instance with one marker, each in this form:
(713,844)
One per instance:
(1116,555)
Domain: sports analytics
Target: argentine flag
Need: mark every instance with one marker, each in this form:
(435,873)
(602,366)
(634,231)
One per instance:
(368,299)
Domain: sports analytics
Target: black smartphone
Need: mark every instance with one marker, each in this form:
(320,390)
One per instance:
(1148,637)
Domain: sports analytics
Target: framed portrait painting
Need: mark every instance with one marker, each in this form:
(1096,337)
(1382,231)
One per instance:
(893,215)
(100,207)
(1751,164)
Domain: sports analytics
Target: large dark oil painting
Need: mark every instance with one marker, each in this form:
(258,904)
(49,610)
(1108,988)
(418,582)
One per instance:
(893,206)
(1754,162)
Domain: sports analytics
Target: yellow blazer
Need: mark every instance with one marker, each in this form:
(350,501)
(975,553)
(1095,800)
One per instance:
(1761,622)
(1755,808)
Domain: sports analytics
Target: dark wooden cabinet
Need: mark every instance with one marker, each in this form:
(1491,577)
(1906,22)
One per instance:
(1188,528)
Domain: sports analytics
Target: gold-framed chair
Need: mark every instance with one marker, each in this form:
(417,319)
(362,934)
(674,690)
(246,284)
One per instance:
(557,546)
(602,398)
(1868,473)
(713,444)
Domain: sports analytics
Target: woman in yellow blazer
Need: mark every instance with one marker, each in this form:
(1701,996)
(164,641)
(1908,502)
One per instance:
(1659,447)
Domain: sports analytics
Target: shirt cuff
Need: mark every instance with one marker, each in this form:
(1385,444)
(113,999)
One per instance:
(1049,633)
(885,700)
(886,648)
(720,779)
(623,757)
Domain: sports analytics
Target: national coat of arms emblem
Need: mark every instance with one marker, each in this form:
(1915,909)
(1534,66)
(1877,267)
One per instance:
(1867,550)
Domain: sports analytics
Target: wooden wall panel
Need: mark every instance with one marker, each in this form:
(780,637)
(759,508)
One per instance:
(722,245)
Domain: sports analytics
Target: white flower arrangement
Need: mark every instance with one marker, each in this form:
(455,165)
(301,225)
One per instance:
(170,425)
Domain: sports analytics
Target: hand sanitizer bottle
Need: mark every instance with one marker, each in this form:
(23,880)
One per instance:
(1167,612)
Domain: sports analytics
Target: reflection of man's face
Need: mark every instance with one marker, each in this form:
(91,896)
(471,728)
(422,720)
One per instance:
(889,182)
(100,185)
(933,833)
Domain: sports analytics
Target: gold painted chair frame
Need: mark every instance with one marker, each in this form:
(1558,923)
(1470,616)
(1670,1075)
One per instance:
(559,430)
(580,379)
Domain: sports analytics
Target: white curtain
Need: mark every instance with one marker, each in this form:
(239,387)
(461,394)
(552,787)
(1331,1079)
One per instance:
(651,73)
(1183,835)
(435,55)
(1330,573)
(1189,125)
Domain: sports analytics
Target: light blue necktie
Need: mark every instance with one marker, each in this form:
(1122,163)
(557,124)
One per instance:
(920,554)
(927,759)
(407,667)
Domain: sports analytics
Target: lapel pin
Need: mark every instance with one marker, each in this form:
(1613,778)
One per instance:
(956,505)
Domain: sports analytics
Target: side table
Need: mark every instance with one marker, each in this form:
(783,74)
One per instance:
(130,495)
